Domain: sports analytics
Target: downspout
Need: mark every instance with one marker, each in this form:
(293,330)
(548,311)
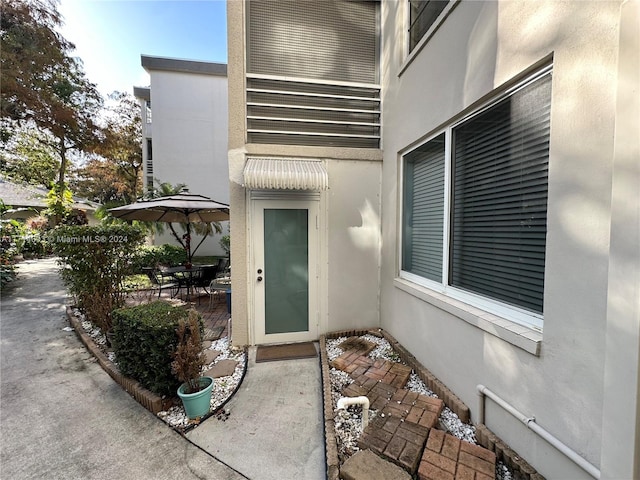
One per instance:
(530,422)
(344,402)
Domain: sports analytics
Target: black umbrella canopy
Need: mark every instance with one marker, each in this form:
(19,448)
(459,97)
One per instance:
(179,208)
(183,207)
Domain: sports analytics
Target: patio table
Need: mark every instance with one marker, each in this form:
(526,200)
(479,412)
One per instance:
(184,276)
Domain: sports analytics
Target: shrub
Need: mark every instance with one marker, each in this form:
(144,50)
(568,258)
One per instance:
(154,255)
(145,342)
(11,241)
(188,358)
(96,260)
(7,273)
(225,243)
(35,245)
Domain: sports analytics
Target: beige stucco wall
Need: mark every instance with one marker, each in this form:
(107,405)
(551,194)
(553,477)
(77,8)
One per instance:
(620,433)
(479,48)
(349,214)
(353,239)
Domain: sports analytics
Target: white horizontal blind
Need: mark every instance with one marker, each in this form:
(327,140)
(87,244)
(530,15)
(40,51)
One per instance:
(499,216)
(423,210)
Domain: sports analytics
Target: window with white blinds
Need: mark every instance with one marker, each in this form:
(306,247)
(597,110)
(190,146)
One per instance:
(424,210)
(485,231)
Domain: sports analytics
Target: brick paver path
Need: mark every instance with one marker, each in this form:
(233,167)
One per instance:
(406,420)
(398,441)
(446,457)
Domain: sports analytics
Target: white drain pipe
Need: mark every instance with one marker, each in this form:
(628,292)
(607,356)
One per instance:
(344,402)
(530,422)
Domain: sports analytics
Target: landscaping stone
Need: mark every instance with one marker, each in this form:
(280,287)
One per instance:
(357,344)
(223,368)
(210,356)
(366,465)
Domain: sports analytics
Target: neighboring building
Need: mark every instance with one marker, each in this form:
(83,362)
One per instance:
(27,201)
(463,174)
(187,140)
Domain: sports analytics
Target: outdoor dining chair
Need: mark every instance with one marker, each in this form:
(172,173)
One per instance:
(206,274)
(165,281)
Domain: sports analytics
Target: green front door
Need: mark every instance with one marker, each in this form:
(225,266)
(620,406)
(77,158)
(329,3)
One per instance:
(285,271)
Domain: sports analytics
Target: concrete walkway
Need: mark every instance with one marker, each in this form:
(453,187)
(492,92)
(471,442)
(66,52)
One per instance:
(61,415)
(275,427)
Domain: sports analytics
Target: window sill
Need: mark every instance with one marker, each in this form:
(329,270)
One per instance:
(517,335)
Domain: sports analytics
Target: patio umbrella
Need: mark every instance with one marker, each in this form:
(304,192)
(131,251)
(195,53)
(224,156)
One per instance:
(183,207)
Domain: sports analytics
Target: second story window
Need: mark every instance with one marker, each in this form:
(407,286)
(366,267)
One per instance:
(147,106)
(423,14)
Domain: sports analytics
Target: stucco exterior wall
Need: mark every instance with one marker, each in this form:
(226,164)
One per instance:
(477,50)
(353,244)
(190,127)
(349,213)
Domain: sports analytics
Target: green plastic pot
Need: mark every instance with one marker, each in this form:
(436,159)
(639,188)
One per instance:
(197,404)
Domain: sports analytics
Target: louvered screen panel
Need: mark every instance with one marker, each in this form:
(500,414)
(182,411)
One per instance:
(283,111)
(423,210)
(328,40)
(500,183)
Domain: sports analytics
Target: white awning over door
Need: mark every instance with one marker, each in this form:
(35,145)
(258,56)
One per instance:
(270,173)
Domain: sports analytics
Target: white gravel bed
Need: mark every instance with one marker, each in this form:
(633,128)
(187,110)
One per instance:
(223,387)
(349,422)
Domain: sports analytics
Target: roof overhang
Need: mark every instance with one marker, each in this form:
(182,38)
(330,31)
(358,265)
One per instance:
(270,173)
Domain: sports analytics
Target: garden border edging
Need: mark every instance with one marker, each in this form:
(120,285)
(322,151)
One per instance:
(151,401)
(485,437)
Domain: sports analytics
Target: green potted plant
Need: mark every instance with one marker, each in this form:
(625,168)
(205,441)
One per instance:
(188,361)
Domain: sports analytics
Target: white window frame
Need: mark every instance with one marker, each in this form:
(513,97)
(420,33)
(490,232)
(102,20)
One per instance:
(503,310)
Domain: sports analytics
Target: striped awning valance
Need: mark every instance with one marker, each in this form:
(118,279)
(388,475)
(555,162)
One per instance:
(269,173)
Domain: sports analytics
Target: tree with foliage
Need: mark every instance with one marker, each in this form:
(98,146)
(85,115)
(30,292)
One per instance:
(27,157)
(114,176)
(33,53)
(43,83)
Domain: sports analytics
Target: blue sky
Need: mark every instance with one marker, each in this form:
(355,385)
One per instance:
(110,36)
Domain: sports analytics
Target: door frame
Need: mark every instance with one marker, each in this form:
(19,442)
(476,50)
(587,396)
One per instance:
(284,199)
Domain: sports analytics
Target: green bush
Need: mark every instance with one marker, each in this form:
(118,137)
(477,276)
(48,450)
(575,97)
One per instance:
(145,340)
(35,246)
(11,241)
(96,261)
(153,255)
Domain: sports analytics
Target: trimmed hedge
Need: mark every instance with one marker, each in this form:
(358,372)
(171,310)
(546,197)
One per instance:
(154,255)
(145,341)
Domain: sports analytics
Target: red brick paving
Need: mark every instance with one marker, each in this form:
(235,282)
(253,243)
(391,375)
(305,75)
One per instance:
(216,316)
(405,422)
(446,457)
(396,440)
